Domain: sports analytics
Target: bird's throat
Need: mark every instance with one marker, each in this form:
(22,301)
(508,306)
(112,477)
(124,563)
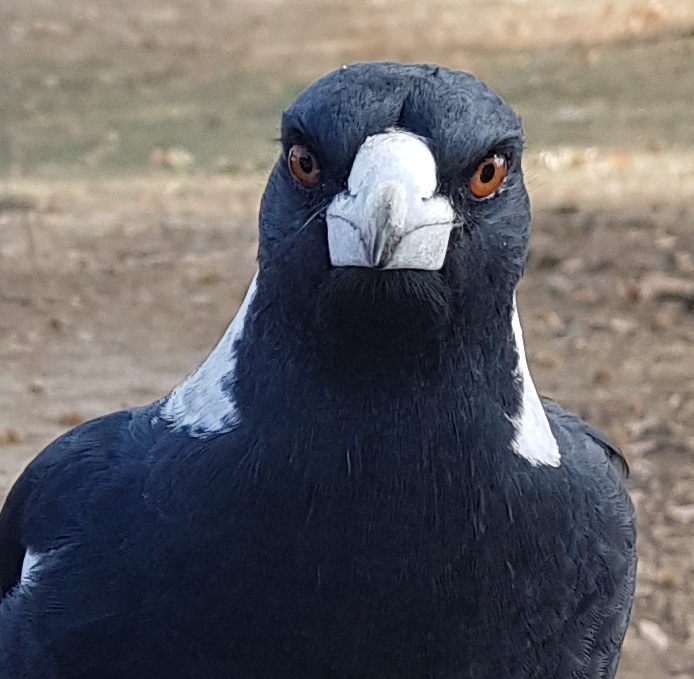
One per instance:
(382,325)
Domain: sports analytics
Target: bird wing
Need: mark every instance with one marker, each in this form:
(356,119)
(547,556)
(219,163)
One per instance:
(601,467)
(51,505)
(83,545)
(566,419)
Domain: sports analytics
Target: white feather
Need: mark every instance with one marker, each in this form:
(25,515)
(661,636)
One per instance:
(203,404)
(30,565)
(533,438)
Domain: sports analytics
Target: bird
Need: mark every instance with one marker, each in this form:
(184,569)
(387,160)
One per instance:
(361,480)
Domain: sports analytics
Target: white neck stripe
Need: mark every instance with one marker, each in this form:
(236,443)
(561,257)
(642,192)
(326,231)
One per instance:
(533,439)
(203,404)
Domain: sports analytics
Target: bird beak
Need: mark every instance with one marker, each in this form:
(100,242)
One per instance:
(389,217)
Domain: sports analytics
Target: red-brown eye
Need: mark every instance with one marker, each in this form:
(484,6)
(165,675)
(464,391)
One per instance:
(303,166)
(489,176)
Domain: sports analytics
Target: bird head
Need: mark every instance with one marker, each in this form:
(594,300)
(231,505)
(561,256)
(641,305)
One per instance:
(393,233)
(396,218)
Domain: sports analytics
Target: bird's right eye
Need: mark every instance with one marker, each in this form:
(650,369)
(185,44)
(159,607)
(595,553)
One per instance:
(303,166)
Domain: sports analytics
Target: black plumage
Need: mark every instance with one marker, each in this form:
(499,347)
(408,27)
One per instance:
(348,488)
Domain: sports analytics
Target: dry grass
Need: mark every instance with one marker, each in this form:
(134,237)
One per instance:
(104,89)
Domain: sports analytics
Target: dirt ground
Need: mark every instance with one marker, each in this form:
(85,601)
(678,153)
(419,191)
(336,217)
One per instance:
(121,261)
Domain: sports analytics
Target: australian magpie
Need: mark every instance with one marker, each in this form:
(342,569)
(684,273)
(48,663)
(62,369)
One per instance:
(361,481)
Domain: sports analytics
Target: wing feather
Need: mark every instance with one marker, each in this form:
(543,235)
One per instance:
(48,498)
(596,456)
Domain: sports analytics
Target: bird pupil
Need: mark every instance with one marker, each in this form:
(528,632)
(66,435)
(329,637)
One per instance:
(306,163)
(488,172)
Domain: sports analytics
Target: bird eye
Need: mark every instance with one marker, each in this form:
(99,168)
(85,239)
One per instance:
(303,166)
(489,176)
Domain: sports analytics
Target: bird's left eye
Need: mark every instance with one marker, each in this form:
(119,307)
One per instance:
(489,176)
(303,166)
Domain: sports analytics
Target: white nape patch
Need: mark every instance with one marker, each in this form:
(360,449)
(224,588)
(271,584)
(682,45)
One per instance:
(203,404)
(533,438)
(389,216)
(30,566)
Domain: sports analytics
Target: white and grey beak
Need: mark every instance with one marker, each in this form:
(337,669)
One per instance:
(389,217)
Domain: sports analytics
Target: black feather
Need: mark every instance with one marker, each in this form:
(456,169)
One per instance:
(363,510)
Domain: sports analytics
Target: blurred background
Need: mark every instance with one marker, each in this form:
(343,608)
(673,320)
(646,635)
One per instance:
(135,139)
